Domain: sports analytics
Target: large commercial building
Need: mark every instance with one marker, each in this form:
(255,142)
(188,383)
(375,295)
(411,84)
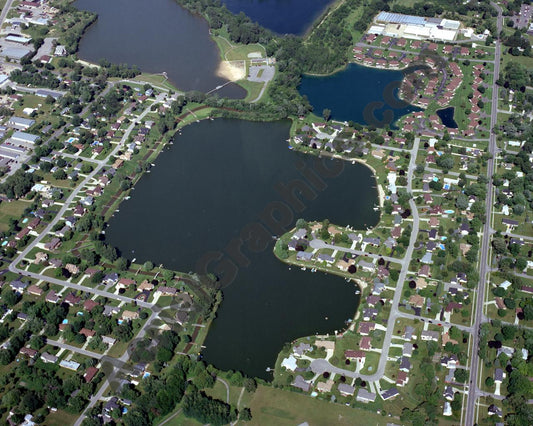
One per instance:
(414,27)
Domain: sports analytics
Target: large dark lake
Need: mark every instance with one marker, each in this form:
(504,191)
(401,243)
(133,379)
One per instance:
(361,94)
(213,202)
(157,36)
(281,16)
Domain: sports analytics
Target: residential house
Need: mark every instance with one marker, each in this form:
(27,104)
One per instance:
(405,364)
(402,378)
(499,375)
(300,383)
(125,283)
(408,332)
(29,352)
(352,355)
(365,343)
(89,305)
(301,349)
(35,290)
(345,389)
(364,396)
(428,335)
(389,394)
(89,374)
(72,299)
(110,279)
(325,387)
(130,315)
(49,358)
(52,297)
(365,328)
(87,333)
(367,266)
(448,393)
(369,314)
(417,301)
(167,291)
(407,349)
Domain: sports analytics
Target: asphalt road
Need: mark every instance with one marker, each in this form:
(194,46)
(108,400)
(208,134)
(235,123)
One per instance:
(485,242)
(319,366)
(71,348)
(6,8)
(319,244)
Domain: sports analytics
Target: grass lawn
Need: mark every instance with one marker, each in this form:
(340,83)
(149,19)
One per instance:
(240,52)
(156,80)
(524,60)
(181,420)
(14,210)
(252,87)
(60,418)
(280,407)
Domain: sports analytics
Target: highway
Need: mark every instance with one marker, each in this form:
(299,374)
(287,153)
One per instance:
(485,242)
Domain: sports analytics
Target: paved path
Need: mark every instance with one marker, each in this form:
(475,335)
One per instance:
(319,244)
(6,8)
(434,321)
(470,417)
(71,348)
(117,363)
(321,365)
(226,386)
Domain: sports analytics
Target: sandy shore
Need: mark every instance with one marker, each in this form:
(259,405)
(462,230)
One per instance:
(232,70)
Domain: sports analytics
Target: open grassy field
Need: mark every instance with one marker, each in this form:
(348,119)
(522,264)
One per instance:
(156,80)
(524,60)
(60,418)
(280,407)
(241,52)
(14,210)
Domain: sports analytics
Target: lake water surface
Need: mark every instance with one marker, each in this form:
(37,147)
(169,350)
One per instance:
(446,116)
(212,204)
(358,93)
(157,36)
(281,16)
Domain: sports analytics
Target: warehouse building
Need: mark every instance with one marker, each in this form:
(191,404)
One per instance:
(414,27)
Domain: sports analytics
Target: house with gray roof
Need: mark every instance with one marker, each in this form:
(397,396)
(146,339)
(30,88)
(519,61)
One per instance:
(323,257)
(429,335)
(448,393)
(49,358)
(367,266)
(499,375)
(346,390)
(300,233)
(302,348)
(364,396)
(505,350)
(408,332)
(372,241)
(407,349)
(24,137)
(378,288)
(300,383)
(405,364)
(305,256)
(20,123)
